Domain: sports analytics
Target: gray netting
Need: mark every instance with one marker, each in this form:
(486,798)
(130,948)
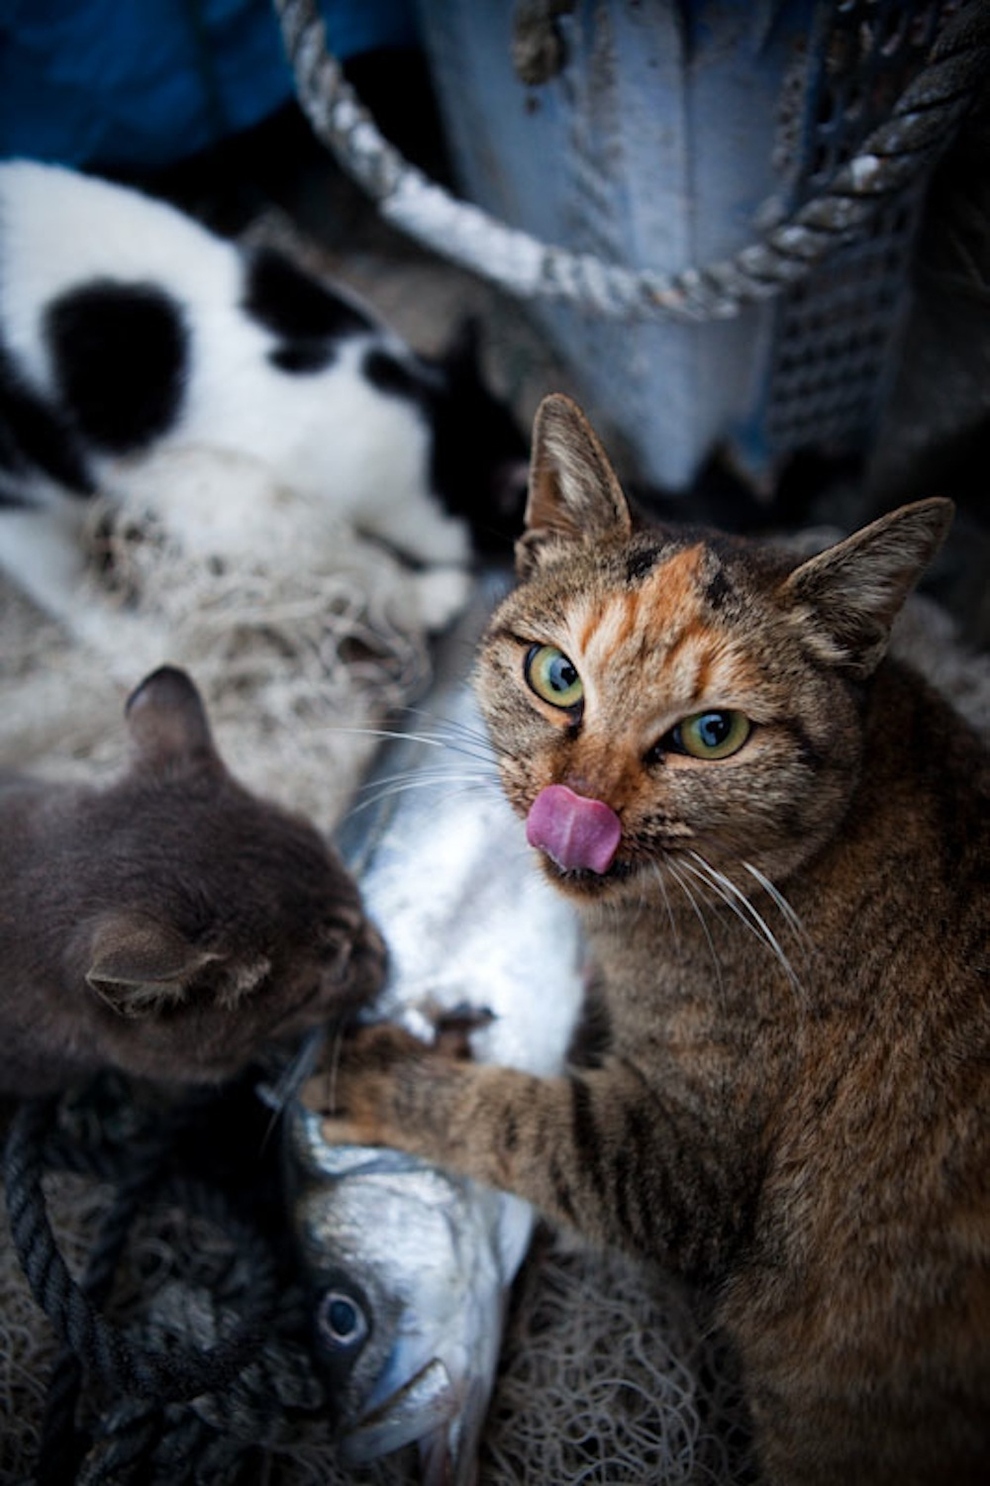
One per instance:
(606,1374)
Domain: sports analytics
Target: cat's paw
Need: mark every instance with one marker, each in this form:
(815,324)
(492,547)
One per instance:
(356,1092)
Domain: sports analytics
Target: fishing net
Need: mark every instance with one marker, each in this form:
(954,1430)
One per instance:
(608,1371)
(607,1375)
(603,1367)
(293,662)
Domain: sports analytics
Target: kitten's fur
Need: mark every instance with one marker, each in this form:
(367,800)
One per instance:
(804,1131)
(142,356)
(171,923)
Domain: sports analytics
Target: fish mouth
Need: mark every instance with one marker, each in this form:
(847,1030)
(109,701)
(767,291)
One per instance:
(431,1411)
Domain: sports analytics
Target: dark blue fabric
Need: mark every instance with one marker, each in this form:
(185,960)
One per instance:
(140,83)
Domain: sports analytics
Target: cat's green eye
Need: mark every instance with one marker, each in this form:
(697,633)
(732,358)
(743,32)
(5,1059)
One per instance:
(553,677)
(711,735)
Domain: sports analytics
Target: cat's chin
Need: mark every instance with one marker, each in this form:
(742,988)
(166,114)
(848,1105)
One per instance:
(582,883)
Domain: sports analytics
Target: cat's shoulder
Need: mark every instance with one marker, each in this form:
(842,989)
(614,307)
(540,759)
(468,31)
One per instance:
(911,715)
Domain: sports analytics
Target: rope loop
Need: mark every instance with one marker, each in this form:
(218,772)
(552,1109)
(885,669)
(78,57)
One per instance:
(104,1349)
(893,157)
(223,1366)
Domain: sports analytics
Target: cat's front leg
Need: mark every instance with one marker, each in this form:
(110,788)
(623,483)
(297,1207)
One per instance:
(594,1149)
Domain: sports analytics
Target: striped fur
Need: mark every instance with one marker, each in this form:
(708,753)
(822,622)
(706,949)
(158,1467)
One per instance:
(793,1107)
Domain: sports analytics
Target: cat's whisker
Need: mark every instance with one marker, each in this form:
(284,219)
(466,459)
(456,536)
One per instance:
(399,785)
(467,728)
(699,914)
(336,1049)
(395,734)
(736,899)
(456,727)
(726,899)
(644,898)
(658,873)
(773,892)
(281,1092)
(475,756)
(462,743)
(331,1063)
(427,777)
(702,873)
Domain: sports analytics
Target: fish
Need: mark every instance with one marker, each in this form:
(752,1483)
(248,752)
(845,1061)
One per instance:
(409,1266)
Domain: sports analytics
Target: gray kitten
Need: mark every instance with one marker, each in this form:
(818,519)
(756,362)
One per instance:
(170,924)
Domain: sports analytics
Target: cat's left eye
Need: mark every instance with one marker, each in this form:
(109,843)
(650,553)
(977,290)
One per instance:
(711,735)
(553,677)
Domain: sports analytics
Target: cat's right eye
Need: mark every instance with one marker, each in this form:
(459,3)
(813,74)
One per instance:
(710,735)
(553,677)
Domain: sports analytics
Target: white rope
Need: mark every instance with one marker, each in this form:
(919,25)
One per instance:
(892,158)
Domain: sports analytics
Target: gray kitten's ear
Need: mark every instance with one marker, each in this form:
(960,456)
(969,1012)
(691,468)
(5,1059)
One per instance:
(573,490)
(847,597)
(168,721)
(139,965)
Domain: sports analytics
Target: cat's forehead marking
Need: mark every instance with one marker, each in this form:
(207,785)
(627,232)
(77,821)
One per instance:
(650,614)
(662,628)
(639,564)
(663,591)
(606,625)
(677,579)
(718,589)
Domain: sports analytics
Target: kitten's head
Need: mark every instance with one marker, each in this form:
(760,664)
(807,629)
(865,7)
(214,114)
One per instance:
(660,695)
(209,920)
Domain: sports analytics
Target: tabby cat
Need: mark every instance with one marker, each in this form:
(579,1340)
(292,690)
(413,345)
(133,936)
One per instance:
(777,840)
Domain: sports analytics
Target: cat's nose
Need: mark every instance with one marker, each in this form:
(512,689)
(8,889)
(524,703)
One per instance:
(575,832)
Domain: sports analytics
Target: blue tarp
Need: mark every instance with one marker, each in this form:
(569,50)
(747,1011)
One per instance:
(141,83)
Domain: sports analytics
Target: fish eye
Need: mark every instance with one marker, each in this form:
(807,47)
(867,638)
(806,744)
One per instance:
(342,1323)
(553,677)
(710,735)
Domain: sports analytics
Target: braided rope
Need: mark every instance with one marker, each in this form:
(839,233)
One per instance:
(172,1412)
(127,1442)
(105,1350)
(890,159)
(61,1448)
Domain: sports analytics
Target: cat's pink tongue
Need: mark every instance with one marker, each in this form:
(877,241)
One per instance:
(574,831)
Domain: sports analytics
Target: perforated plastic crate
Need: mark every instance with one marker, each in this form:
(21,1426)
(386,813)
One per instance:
(672,136)
(711,206)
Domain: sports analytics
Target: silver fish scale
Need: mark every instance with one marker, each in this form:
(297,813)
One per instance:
(446,874)
(469,922)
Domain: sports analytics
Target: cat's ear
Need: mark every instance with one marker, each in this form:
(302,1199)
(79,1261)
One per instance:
(140,965)
(573,490)
(168,722)
(848,596)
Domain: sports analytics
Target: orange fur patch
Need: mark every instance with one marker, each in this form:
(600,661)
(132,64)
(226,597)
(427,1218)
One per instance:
(659,627)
